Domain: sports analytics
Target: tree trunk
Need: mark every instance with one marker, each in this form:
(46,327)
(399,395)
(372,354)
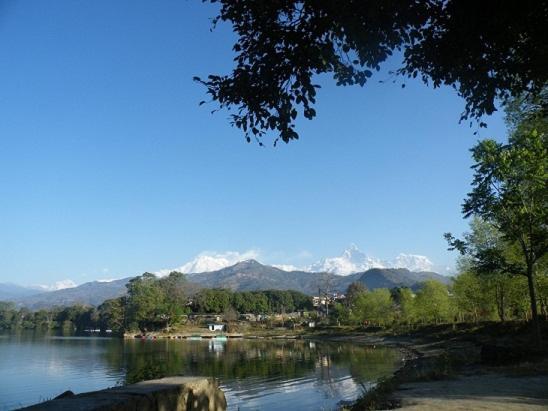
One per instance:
(532,296)
(499,294)
(542,299)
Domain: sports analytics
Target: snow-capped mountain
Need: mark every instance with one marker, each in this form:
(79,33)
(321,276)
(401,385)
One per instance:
(211,261)
(58,285)
(413,262)
(353,260)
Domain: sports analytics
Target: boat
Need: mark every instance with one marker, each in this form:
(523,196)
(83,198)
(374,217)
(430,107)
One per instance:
(195,337)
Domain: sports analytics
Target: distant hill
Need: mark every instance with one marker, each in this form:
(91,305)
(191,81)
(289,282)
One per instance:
(390,278)
(9,292)
(92,293)
(251,275)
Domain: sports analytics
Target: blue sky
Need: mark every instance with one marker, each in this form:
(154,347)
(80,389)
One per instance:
(108,166)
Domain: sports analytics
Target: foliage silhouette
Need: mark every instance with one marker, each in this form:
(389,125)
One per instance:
(487,51)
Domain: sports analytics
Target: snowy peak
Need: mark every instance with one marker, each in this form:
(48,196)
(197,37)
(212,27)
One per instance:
(211,261)
(413,262)
(59,285)
(353,260)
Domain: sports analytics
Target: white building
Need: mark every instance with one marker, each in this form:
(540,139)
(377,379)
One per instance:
(216,327)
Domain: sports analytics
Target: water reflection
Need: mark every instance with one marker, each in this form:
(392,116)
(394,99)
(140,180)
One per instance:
(255,374)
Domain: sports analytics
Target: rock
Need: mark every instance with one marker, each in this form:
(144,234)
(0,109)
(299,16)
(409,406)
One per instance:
(171,393)
(67,393)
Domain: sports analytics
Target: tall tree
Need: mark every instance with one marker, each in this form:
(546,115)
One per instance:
(375,307)
(112,315)
(408,312)
(482,239)
(283,44)
(510,192)
(175,297)
(145,300)
(471,296)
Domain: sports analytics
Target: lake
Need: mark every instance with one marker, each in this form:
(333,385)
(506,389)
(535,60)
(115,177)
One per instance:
(254,374)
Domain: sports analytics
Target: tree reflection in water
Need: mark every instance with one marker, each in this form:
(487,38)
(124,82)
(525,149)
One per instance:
(254,362)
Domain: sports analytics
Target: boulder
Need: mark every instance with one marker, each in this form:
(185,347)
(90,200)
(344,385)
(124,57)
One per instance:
(165,394)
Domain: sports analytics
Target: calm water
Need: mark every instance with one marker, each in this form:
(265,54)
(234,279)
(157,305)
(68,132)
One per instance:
(254,374)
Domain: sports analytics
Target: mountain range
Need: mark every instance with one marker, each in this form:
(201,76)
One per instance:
(246,275)
(351,261)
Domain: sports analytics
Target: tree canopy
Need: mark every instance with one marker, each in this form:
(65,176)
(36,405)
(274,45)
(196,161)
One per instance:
(487,51)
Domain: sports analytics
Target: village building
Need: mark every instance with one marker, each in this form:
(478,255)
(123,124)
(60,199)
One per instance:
(216,327)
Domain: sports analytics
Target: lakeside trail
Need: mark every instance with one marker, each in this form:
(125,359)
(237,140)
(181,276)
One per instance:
(444,370)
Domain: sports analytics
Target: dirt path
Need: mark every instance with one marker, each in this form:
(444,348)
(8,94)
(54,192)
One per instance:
(476,392)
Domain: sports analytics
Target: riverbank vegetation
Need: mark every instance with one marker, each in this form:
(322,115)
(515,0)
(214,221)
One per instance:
(153,304)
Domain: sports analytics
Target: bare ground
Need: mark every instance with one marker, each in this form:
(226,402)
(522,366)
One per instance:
(476,392)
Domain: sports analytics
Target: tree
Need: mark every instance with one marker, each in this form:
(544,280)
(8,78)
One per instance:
(301,301)
(175,297)
(432,302)
(145,300)
(407,305)
(44,319)
(112,315)
(510,192)
(261,304)
(341,313)
(230,315)
(471,295)
(542,287)
(280,301)
(213,301)
(374,307)
(7,315)
(482,238)
(353,292)
(282,45)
